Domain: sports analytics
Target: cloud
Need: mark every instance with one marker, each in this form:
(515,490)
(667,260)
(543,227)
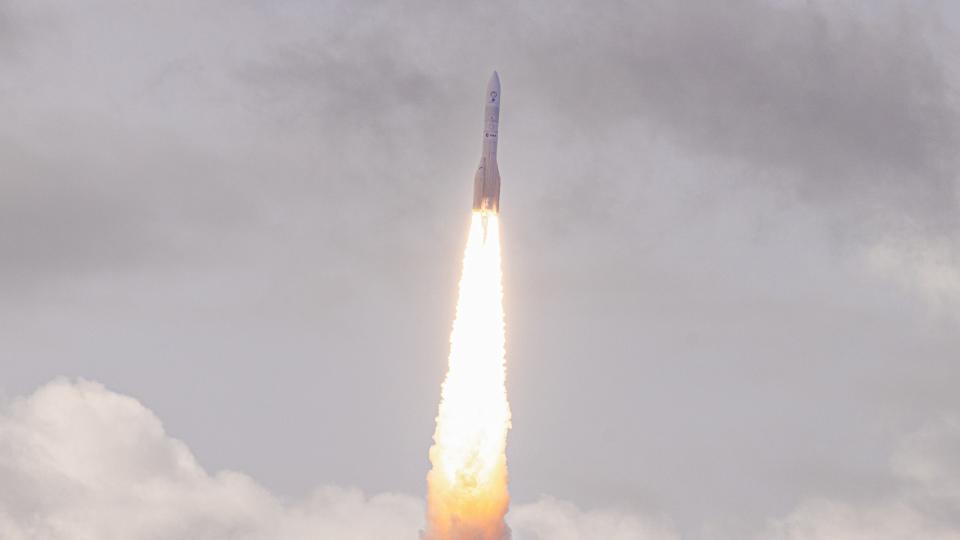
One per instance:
(929,461)
(928,265)
(851,107)
(80,462)
(551,519)
(925,505)
(830,520)
(181,113)
(231,179)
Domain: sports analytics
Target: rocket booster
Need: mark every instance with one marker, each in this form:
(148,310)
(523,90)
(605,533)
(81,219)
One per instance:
(486,185)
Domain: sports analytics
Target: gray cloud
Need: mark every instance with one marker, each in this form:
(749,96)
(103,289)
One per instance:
(842,110)
(856,116)
(248,211)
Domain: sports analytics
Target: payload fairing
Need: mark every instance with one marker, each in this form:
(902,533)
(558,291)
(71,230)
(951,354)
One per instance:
(486,185)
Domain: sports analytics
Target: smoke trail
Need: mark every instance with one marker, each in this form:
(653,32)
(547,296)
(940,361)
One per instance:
(467,495)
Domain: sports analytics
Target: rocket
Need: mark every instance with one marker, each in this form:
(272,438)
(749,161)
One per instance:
(486,185)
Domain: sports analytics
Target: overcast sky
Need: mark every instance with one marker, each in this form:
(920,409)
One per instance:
(732,263)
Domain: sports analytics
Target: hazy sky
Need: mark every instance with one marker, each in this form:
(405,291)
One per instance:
(732,260)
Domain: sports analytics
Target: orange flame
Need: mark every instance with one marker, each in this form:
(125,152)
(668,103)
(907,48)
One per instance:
(467,487)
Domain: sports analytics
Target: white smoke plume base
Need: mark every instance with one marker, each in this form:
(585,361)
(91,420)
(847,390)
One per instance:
(79,462)
(467,496)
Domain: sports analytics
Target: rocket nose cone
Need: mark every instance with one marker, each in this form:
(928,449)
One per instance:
(493,88)
(494,81)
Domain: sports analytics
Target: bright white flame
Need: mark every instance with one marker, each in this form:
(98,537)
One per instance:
(467,498)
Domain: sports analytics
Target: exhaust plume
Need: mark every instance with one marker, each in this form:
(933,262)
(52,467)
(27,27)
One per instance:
(467,495)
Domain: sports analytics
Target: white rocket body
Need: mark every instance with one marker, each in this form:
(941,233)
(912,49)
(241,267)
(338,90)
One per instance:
(486,185)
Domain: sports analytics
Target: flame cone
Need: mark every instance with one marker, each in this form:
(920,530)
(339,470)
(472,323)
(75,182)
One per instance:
(467,486)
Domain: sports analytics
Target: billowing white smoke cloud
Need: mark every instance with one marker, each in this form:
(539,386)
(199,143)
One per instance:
(551,519)
(80,462)
(925,506)
(892,520)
